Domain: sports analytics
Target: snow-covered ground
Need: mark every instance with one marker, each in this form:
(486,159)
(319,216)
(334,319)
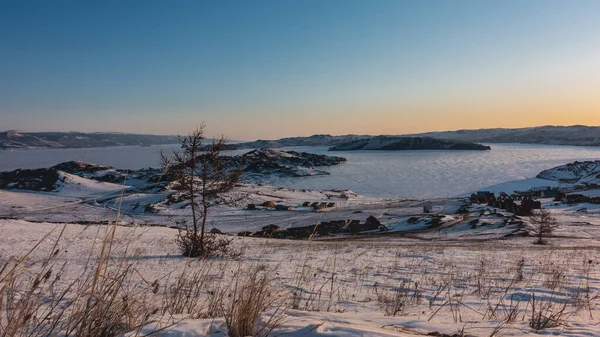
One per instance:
(442,283)
(470,273)
(519,185)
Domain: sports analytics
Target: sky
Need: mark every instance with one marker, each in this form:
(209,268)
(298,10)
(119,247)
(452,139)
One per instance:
(270,69)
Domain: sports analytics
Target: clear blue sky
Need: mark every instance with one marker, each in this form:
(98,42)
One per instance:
(266,69)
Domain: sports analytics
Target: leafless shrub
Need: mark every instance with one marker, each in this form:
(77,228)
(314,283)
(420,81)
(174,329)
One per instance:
(394,302)
(555,277)
(440,289)
(220,245)
(212,244)
(506,312)
(547,314)
(584,298)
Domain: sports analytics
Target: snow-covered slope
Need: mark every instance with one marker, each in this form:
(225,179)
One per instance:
(343,288)
(572,177)
(577,173)
(75,186)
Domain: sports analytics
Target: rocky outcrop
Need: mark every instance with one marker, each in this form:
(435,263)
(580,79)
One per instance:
(406,143)
(43,179)
(282,163)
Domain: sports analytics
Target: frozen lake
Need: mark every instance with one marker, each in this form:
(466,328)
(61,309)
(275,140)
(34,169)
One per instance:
(387,174)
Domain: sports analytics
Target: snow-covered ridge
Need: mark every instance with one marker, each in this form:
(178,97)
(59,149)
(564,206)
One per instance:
(406,143)
(579,135)
(577,173)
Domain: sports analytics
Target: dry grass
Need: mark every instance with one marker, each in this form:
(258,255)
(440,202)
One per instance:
(252,294)
(36,299)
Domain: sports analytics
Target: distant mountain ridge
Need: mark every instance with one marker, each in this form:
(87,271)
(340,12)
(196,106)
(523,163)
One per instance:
(577,135)
(26,140)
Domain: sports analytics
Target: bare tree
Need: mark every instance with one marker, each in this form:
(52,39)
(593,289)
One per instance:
(543,225)
(199,171)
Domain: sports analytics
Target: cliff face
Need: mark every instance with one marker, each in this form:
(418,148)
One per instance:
(406,143)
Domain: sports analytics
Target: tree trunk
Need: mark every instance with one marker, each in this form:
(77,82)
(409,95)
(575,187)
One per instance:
(204,214)
(191,185)
(193,202)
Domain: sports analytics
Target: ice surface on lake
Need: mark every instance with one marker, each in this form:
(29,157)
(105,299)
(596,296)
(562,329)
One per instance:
(387,174)
(429,174)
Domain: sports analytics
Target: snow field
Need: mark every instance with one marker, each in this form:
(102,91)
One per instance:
(351,288)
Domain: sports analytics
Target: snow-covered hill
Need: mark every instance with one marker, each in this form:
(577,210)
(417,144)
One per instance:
(577,173)
(577,177)
(18,139)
